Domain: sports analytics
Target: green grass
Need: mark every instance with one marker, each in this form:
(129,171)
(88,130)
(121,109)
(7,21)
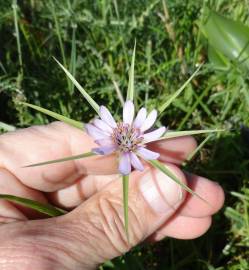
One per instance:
(95,40)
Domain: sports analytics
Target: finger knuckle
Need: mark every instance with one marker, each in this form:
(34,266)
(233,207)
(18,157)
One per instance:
(111,222)
(104,223)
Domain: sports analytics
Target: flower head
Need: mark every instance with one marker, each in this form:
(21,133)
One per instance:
(128,138)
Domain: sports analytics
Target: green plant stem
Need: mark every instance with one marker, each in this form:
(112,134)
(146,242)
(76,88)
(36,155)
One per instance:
(125,179)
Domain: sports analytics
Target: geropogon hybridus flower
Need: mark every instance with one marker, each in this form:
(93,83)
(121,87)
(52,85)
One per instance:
(128,138)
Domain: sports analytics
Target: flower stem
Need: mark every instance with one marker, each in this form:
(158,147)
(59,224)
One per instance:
(125,179)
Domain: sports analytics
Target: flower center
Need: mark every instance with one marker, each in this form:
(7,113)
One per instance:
(126,137)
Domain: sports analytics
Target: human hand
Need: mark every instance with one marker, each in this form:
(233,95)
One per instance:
(93,232)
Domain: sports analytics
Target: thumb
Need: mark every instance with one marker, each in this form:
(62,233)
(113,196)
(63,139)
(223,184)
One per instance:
(94,232)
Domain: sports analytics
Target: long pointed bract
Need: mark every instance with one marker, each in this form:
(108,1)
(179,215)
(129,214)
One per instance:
(47,209)
(130,91)
(163,168)
(176,134)
(178,92)
(56,116)
(85,155)
(94,105)
(125,179)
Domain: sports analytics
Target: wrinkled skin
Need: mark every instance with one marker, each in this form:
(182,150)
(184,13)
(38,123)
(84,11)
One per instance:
(93,231)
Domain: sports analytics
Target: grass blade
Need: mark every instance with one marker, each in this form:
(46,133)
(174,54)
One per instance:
(85,155)
(6,127)
(58,33)
(130,91)
(178,92)
(176,134)
(56,115)
(47,209)
(125,180)
(72,66)
(115,84)
(197,149)
(94,105)
(14,7)
(163,168)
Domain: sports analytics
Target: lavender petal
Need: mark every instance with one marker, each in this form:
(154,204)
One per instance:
(95,132)
(105,142)
(124,164)
(104,150)
(154,135)
(147,154)
(102,125)
(135,162)
(149,121)
(140,118)
(128,112)
(107,117)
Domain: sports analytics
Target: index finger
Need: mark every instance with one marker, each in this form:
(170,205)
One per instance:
(58,140)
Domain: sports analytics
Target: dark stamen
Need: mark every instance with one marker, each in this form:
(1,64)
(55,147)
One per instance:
(126,137)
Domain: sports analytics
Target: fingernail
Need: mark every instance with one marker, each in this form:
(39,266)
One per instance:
(160,191)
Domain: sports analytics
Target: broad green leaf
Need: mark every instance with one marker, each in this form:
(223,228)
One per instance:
(164,168)
(47,209)
(57,116)
(178,92)
(176,134)
(94,105)
(218,60)
(85,155)
(227,36)
(130,91)
(125,179)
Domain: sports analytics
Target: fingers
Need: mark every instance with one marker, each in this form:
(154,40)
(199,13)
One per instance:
(181,227)
(193,218)
(9,213)
(153,198)
(174,150)
(9,184)
(87,186)
(58,140)
(73,241)
(42,143)
(208,190)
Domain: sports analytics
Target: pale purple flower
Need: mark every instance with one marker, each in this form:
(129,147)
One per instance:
(128,138)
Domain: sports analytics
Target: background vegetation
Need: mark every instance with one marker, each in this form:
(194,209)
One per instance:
(94,39)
